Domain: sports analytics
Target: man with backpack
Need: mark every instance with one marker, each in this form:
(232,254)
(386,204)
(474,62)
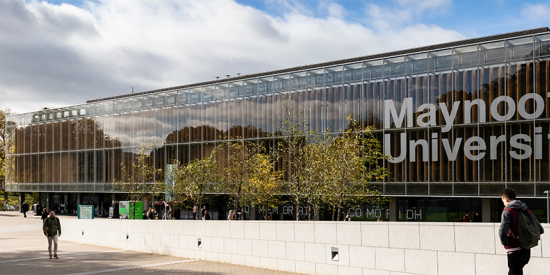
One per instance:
(51,228)
(519,231)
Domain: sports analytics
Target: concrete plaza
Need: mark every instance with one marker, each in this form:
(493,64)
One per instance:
(24,250)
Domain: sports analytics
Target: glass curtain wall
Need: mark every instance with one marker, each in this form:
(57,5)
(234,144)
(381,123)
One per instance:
(466,121)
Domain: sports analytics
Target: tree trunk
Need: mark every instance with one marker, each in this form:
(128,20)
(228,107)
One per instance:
(309,212)
(297,207)
(199,210)
(338,212)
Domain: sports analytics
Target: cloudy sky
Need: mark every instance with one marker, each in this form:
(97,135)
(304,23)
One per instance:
(57,53)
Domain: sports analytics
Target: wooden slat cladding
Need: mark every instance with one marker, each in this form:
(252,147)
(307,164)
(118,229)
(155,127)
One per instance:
(496,163)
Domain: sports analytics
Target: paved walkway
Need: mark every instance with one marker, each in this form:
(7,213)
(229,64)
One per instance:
(24,250)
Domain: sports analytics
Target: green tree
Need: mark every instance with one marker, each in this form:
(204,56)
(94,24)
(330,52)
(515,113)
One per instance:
(236,163)
(194,180)
(31,199)
(138,180)
(301,155)
(353,160)
(3,113)
(176,193)
(264,186)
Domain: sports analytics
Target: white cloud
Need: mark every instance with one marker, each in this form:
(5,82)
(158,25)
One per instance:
(537,12)
(62,55)
(332,9)
(408,12)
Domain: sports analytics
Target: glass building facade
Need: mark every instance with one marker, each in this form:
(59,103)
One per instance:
(462,119)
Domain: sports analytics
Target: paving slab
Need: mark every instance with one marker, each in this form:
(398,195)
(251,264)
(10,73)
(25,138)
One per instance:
(24,250)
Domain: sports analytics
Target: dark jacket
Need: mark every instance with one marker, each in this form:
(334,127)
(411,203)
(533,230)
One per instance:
(206,217)
(25,207)
(51,226)
(477,218)
(509,221)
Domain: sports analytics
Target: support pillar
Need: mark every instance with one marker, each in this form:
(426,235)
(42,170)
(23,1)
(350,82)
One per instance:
(21,200)
(486,210)
(394,209)
(78,199)
(252,213)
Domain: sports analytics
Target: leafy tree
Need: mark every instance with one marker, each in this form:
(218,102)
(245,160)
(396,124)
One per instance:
(264,185)
(301,153)
(236,171)
(176,195)
(316,172)
(352,161)
(3,113)
(31,199)
(141,183)
(193,180)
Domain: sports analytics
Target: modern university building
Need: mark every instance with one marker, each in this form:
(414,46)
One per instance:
(462,121)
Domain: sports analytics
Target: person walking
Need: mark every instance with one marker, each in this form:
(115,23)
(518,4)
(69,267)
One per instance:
(24,209)
(230,215)
(52,230)
(44,214)
(517,257)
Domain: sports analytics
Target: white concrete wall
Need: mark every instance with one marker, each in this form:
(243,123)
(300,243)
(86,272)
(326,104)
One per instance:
(364,247)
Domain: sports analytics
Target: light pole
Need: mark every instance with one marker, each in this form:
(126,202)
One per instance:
(547,192)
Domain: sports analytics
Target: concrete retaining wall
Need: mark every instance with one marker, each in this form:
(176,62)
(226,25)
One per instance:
(306,247)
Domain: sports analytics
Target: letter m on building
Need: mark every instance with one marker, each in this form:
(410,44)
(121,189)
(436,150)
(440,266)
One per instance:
(391,112)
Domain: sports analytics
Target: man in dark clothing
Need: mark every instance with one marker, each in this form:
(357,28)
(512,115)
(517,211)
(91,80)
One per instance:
(202,211)
(517,256)
(51,228)
(44,214)
(25,208)
(477,216)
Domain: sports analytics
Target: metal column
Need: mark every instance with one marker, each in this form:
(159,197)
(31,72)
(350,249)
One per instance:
(486,210)
(394,209)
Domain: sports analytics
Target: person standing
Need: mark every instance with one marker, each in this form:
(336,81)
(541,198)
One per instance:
(466,217)
(477,216)
(52,230)
(150,213)
(44,214)
(195,210)
(347,218)
(24,209)
(508,230)
(206,216)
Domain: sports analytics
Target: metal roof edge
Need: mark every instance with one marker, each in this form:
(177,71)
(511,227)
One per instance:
(341,61)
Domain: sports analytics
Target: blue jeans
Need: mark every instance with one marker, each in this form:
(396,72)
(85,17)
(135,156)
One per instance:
(194,216)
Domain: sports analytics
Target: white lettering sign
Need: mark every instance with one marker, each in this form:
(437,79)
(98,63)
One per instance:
(475,148)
